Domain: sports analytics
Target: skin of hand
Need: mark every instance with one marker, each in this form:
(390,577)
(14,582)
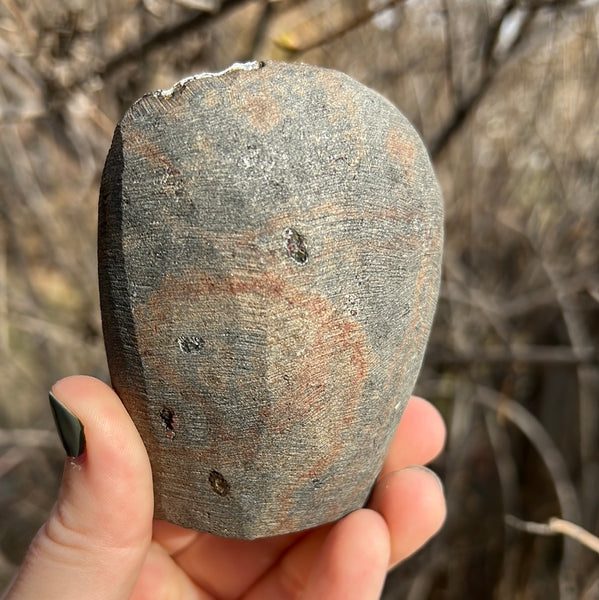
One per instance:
(100,541)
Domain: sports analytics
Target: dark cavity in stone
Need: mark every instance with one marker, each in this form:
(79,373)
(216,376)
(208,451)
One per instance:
(190,343)
(296,246)
(218,483)
(169,421)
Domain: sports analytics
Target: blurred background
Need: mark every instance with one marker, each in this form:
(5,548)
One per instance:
(505,94)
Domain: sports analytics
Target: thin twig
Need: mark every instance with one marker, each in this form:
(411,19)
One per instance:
(449,56)
(530,355)
(555,465)
(556,526)
(542,442)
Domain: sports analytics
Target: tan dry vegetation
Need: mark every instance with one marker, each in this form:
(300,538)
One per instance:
(505,94)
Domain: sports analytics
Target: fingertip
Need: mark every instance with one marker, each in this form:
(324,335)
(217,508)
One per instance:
(420,437)
(109,430)
(89,397)
(421,409)
(370,529)
(412,502)
(113,478)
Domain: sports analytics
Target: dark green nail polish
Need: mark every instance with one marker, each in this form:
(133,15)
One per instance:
(69,428)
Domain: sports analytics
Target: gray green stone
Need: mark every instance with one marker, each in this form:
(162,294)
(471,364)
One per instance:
(269,249)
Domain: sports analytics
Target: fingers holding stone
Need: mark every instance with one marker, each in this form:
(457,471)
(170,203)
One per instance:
(413,505)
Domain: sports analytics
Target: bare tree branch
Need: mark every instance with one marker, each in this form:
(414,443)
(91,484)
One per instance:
(490,69)
(161,38)
(556,526)
(555,464)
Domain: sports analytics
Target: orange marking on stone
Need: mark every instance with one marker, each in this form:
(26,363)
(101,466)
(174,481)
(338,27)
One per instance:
(404,151)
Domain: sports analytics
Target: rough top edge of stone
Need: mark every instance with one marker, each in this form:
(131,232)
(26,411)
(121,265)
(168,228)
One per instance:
(163,96)
(166,94)
(255,65)
(245,66)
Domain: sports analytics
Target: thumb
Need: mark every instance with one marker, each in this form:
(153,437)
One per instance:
(95,541)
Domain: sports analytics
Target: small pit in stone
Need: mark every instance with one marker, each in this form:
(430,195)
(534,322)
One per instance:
(218,483)
(169,421)
(296,246)
(190,343)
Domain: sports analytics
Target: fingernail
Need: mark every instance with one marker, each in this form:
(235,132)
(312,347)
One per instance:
(430,472)
(70,428)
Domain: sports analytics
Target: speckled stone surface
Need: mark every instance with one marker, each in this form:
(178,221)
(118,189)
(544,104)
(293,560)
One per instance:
(270,243)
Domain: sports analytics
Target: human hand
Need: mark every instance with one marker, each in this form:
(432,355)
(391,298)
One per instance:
(100,541)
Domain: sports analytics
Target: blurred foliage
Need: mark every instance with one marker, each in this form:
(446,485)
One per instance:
(506,96)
